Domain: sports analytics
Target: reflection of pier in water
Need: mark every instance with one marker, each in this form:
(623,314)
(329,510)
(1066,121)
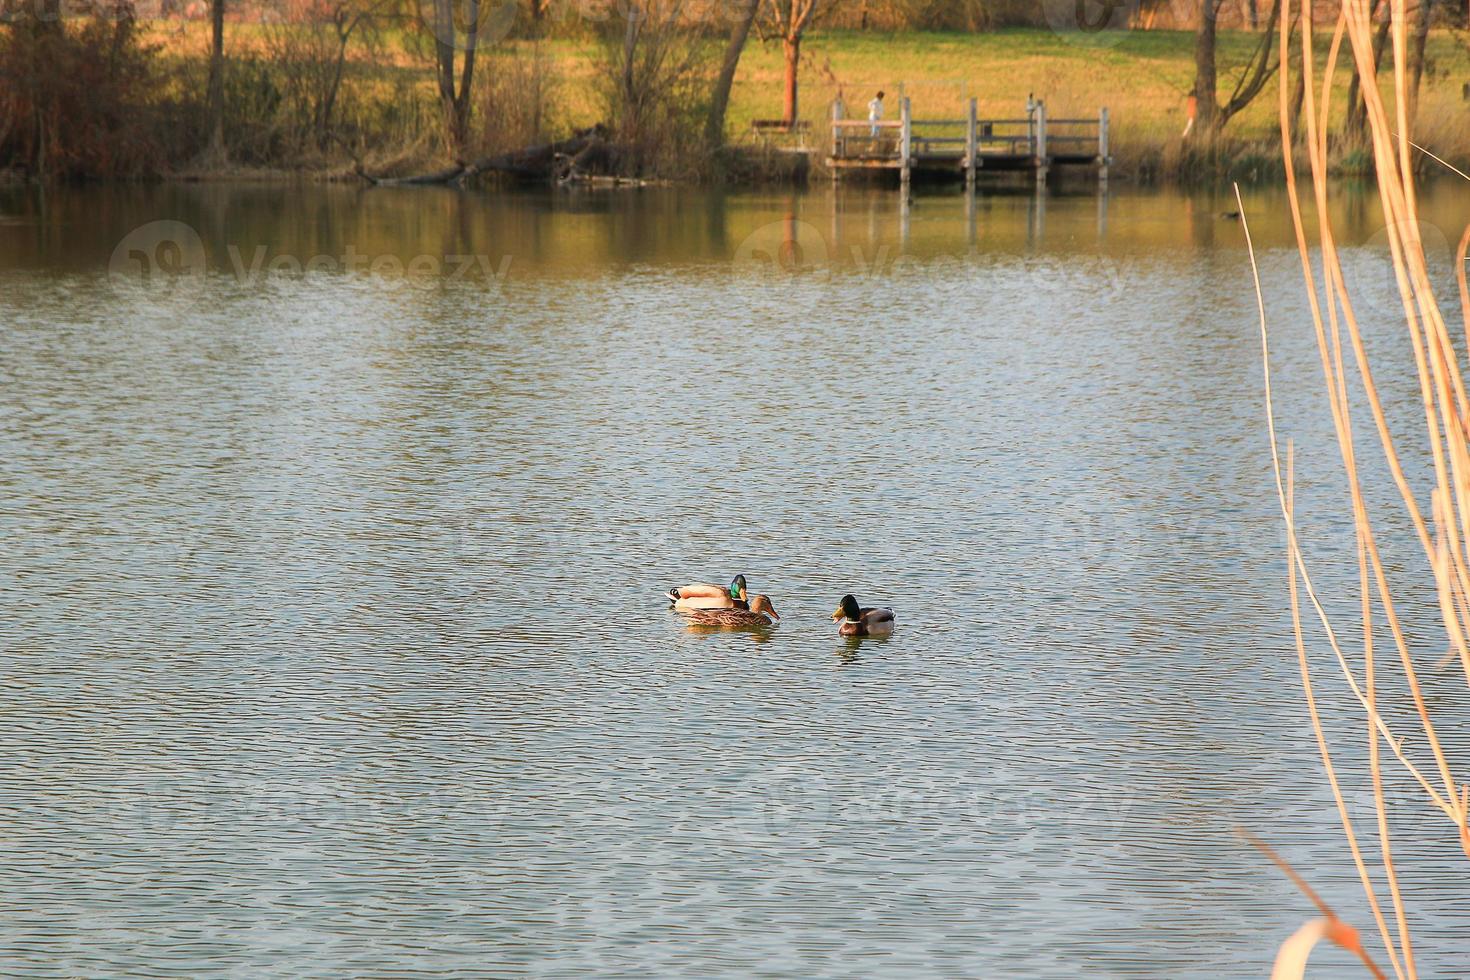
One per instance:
(1036,205)
(962,148)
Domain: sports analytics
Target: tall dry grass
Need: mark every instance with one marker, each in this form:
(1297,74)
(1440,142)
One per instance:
(519,102)
(1441,522)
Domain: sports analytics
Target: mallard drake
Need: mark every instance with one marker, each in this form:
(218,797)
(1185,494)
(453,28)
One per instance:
(701,595)
(760,608)
(862,621)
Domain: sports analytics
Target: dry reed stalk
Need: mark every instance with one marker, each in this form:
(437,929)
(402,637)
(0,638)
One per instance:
(1446,409)
(1286,493)
(1460,280)
(1291,959)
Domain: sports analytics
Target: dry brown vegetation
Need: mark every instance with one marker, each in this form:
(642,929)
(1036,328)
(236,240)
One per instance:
(1411,743)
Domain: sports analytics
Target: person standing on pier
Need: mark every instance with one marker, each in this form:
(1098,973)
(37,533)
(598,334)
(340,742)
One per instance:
(875,113)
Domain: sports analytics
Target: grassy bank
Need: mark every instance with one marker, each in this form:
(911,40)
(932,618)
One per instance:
(1143,77)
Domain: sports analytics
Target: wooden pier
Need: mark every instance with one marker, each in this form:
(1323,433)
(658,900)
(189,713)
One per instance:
(963,147)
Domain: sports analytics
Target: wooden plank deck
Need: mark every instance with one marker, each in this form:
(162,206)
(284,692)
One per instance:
(967,146)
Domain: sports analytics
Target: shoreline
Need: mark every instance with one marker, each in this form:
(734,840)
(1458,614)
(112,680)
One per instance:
(1250,163)
(532,92)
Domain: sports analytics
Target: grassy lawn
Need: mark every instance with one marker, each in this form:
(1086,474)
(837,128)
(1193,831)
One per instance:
(1144,80)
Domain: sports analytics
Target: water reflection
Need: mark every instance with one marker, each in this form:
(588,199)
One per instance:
(848,653)
(759,635)
(579,231)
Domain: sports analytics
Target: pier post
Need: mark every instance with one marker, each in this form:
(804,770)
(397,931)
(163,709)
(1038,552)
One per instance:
(1103,159)
(837,144)
(1042,159)
(972,146)
(906,136)
(970,216)
(1031,125)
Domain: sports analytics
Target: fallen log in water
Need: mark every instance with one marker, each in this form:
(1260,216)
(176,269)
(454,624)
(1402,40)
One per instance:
(560,160)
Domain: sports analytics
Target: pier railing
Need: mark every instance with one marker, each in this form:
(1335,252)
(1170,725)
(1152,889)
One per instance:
(1032,142)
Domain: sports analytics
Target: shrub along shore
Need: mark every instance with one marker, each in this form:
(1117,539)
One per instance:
(298,101)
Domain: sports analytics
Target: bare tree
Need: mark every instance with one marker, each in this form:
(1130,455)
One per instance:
(787,20)
(1204,67)
(1356,125)
(216,91)
(456,41)
(310,53)
(519,100)
(656,75)
(1416,52)
(74,92)
(1211,117)
(714,130)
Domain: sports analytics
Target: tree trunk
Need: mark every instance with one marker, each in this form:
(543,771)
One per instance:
(714,127)
(1298,93)
(1356,121)
(455,103)
(43,29)
(217,82)
(791,47)
(1357,118)
(443,50)
(466,79)
(1204,70)
(1416,53)
(628,83)
(1257,72)
(329,103)
(1254,14)
(539,25)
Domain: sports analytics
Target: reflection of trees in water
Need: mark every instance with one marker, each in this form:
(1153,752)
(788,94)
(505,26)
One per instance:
(859,233)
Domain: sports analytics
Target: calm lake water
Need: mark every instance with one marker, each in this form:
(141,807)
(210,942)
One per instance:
(336,522)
